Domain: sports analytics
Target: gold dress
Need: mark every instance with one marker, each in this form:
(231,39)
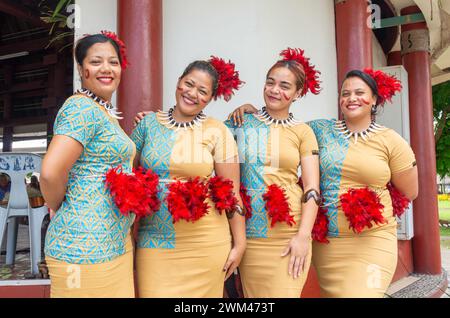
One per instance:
(182,259)
(357,265)
(271,154)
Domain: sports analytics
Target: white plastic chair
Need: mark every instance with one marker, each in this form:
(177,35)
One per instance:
(17,166)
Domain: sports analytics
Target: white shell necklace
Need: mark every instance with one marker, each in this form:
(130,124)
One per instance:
(112,111)
(170,122)
(264,116)
(342,128)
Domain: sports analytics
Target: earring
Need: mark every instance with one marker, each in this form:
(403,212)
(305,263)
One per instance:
(373,110)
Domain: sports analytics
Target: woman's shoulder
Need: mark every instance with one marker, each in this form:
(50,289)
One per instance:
(249,120)
(321,126)
(321,123)
(78,103)
(214,122)
(148,119)
(390,136)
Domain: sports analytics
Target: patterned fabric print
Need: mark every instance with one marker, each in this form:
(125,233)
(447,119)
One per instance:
(88,228)
(156,142)
(333,149)
(252,140)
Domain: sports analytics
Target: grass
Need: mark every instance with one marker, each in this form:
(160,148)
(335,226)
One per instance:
(444,214)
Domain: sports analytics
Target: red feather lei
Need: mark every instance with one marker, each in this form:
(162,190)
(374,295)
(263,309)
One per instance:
(312,82)
(246,201)
(221,193)
(134,193)
(186,200)
(320,229)
(362,207)
(399,201)
(277,205)
(387,85)
(123,49)
(228,78)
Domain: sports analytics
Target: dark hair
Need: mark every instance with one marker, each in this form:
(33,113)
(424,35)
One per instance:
(84,44)
(295,67)
(367,79)
(204,66)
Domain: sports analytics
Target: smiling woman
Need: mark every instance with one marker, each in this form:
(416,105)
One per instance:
(88,241)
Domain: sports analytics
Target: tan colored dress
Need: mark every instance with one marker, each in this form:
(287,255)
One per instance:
(184,259)
(271,155)
(358,265)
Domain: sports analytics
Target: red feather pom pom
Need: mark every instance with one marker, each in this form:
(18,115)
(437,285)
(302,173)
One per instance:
(320,229)
(186,200)
(362,207)
(277,205)
(122,47)
(221,193)
(246,201)
(134,193)
(228,78)
(387,85)
(399,201)
(312,82)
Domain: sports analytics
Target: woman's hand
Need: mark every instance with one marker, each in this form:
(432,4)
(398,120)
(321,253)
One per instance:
(233,261)
(139,117)
(298,247)
(237,116)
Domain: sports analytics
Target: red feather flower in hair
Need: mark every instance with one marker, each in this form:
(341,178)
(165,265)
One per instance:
(399,201)
(246,201)
(277,205)
(228,78)
(186,200)
(134,193)
(362,207)
(221,193)
(122,47)
(312,82)
(387,85)
(320,230)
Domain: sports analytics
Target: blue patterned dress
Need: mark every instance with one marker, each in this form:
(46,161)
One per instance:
(182,259)
(351,264)
(271,154)
(88,228)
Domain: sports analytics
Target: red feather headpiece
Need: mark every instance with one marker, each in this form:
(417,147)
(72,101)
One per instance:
(312,82)
(387,85)
(228,78)
(122,47)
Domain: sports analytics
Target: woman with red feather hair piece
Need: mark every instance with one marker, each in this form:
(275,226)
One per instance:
(88,232)
(185,249)
(275,145)
(358,158)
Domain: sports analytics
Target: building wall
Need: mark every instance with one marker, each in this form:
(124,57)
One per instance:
(379,58)
(251,33)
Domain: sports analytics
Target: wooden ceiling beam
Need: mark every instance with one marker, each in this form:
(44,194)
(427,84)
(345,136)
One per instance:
(21,13)
(30,46)
(23,121)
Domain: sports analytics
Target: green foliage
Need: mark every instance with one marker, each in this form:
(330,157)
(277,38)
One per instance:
(57,17)
(441,110)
